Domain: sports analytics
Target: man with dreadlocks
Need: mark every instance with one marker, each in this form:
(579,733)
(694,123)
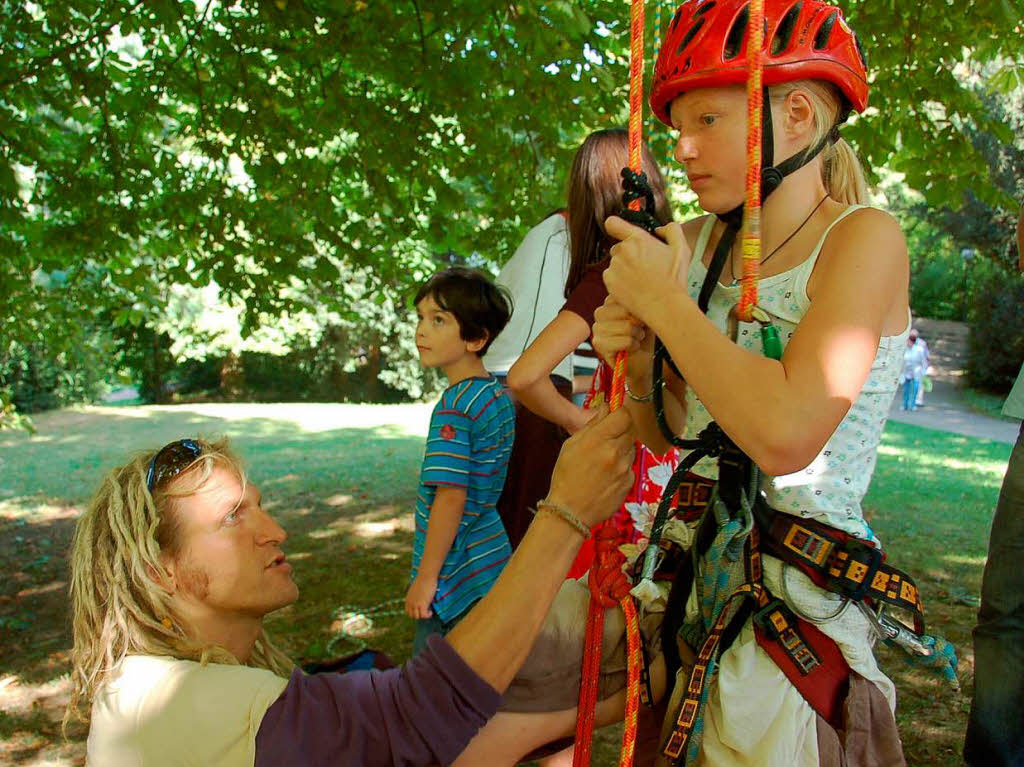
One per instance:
(174,565)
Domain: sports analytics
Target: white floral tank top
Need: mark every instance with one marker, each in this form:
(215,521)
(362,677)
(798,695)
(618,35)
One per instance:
(830,489)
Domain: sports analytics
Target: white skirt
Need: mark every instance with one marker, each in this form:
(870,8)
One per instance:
(754,716)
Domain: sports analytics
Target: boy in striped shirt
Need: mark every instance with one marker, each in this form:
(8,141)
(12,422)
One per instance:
(460,544)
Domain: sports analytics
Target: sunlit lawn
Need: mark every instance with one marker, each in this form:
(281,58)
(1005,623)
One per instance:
(342,478)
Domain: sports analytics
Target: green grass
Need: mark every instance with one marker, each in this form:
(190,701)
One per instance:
(931,502)
(987,403)
(342,478)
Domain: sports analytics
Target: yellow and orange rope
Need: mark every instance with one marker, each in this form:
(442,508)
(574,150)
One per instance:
(612,565)
(607,581)
(752,213)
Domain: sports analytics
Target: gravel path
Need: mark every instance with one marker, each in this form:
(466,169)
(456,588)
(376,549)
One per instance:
(945,407)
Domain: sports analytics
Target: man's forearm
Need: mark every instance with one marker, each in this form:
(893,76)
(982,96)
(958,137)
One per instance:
(495,638)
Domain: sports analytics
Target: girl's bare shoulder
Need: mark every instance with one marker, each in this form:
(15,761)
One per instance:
(865,250)
(692,228)
(867,227)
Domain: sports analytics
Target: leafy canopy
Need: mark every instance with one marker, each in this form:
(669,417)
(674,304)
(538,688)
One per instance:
(259,145)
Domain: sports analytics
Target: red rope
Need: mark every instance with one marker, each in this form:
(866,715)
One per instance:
(608,584)
(752,217)
(609,587)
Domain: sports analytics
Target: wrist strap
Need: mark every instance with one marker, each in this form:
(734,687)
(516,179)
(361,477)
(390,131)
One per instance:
(565,513)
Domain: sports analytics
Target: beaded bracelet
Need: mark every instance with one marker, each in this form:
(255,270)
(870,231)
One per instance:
(565,513)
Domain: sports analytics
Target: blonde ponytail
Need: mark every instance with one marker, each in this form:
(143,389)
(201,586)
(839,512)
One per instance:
(841,171)
(843,176)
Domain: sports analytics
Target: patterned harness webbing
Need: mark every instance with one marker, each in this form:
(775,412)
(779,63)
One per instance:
(729,590)
(840,563)
(728,587)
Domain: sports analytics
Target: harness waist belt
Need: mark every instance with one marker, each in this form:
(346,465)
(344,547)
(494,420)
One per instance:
(838,562)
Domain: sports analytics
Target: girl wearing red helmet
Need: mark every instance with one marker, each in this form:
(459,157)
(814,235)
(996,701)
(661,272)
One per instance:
(834,278)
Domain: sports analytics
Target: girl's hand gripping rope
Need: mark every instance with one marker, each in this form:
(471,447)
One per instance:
(644,270)
(616,330)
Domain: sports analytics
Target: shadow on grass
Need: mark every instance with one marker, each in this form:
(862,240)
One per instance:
(931,502)
(343,496)
(932,498)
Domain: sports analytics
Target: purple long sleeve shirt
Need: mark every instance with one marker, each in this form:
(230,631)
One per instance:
(420,714)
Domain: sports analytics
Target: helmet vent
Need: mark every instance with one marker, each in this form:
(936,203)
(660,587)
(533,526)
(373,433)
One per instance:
(736,34)
(861,51)
(704,9)
(784,34)
(825,31)
(675,19)
(689,36)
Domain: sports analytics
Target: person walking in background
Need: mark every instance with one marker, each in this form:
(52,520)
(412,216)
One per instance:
(919,402)
(913,372)
(995,736)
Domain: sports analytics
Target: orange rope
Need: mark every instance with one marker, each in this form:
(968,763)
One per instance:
(608,584)
(752,217)
(636,130)
(634,663)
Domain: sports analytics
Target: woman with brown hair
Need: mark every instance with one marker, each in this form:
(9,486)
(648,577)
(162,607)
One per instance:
(595,192)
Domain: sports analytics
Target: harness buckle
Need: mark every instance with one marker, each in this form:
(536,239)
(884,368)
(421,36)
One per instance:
(851,568)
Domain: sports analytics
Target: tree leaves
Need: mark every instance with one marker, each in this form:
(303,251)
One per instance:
(173,142)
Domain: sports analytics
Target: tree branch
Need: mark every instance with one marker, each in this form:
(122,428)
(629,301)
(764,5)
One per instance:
(33,66)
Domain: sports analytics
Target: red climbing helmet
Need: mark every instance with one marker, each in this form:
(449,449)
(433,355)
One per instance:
(706,46)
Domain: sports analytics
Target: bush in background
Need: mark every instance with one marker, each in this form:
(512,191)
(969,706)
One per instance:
(39,379)
(995,343)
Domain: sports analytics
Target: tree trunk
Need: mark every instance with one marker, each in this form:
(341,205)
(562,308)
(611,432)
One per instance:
(232,376)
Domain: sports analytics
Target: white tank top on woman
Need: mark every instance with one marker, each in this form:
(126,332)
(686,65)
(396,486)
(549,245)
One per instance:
(830,489)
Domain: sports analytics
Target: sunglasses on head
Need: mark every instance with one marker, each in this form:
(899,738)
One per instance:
(171,460)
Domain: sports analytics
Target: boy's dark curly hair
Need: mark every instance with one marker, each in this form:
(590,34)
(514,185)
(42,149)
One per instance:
(481,308)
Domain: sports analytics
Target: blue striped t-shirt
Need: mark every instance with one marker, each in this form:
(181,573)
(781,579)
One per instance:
(468,445)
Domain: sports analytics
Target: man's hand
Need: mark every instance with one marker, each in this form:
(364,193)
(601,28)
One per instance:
(419,597)
(583,417)
(595,468)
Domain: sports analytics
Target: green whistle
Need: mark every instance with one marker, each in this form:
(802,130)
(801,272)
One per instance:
(771,343)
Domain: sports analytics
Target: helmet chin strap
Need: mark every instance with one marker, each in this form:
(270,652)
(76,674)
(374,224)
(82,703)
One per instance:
(772,177)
